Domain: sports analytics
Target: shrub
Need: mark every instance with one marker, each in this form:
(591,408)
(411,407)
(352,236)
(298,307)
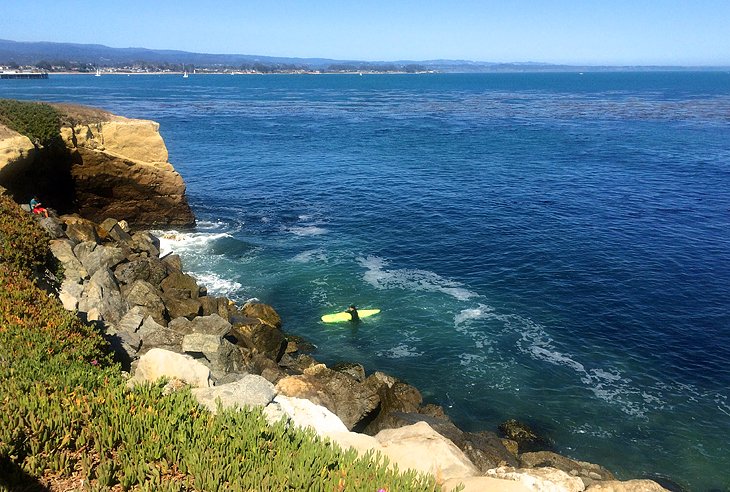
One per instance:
(23,245)
(37,121)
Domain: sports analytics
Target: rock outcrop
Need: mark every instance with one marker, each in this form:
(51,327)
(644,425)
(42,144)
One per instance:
(110,166)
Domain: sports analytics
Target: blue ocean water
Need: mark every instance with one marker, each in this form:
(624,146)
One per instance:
(550,247)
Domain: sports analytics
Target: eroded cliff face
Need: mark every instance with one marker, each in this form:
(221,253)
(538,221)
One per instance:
(111,167)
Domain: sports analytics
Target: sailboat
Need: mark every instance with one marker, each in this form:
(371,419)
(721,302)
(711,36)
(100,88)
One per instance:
(98,72)
(185,73)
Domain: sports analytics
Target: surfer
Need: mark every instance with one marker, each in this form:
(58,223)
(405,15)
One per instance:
(353,313)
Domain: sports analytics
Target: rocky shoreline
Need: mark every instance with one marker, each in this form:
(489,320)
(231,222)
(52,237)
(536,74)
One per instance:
(161,323)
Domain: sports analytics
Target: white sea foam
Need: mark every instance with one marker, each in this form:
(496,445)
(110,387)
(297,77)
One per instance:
(311,255)
(380,277)
(310,230)
(607,384)
(470,314)
(218,285)
(399,352)
(178,242)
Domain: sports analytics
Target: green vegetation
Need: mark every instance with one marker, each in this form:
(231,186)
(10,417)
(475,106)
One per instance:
(37,121)
(23,245)
(67,412)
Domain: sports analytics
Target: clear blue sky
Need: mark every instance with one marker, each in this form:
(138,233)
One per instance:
(624,32)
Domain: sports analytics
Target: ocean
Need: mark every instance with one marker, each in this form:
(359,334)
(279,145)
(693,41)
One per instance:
(548,247)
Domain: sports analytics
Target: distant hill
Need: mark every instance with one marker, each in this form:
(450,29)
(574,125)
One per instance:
(35,53)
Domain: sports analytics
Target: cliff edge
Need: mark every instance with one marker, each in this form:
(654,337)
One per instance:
(104,166)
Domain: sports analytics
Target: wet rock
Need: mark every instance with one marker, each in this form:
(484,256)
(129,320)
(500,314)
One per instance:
(253,334)
(588,472)
(263,312)
(526,438)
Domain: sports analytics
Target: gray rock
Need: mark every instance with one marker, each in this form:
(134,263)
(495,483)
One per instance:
(211,325)
(147,269)
(155,335)
(146,296)
(202,343)
(118,234)
(397,397)
(70,294)
(53,227)
(182,325)
(355,370)
(144,241)
(250,391)
(132,320)
(62,249)
(180,285)
(84,249)
(101,257)
(188,308)
(103,294)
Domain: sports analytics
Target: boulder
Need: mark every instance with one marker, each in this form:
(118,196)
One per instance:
(588,472)
(419,447)
(83,250)
(187,307)
(303,413)
(144,241)
(216,352)
(215,305)
(103,294)
(249,391)
(144,295)
(484,484)
(211,325)
(341,393)
(158,363)
(355,370)
(526,438)
(484,449)
(181,325)
(148,269)
(70,294)
(627,486)
(254,334)
(155,335)
(180,285)
(394,396)
(52,226)
(172,262)
(80,230)
(540,479)
(100,257)
(62,249)
(132,320)
(263,312)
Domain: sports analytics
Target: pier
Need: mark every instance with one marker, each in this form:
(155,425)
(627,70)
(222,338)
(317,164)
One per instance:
(23,75)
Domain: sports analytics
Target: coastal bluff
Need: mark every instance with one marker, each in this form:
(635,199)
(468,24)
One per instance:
(101,165)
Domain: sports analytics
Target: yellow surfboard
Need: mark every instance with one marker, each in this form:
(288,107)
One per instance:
(345,316)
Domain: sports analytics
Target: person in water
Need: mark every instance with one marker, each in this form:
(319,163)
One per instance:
(353,313)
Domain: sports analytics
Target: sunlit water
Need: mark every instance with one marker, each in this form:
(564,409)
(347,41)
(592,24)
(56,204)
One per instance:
(551,247)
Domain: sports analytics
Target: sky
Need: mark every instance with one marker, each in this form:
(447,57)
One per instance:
(592,32)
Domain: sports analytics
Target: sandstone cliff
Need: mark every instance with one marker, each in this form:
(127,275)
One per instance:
(111,166)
